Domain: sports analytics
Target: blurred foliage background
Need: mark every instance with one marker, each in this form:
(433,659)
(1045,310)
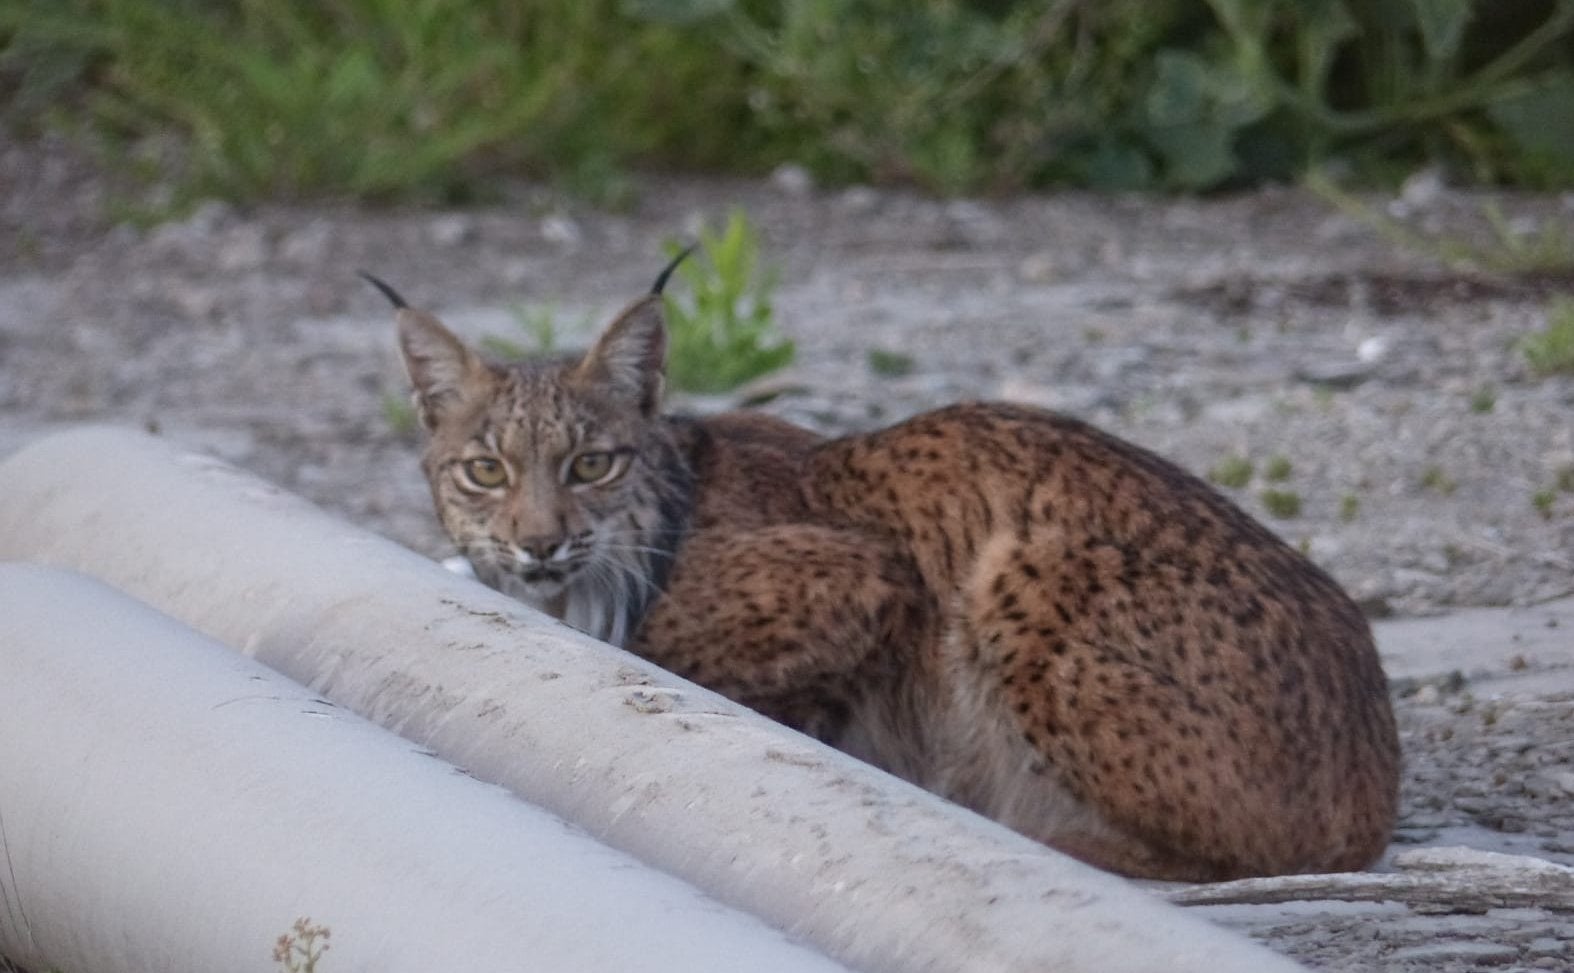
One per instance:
(380,98)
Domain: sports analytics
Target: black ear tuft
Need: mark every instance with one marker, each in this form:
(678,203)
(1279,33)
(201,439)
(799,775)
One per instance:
(666,272)
(388,292)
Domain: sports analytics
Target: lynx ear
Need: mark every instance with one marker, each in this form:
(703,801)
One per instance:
(443,371)
(630,356)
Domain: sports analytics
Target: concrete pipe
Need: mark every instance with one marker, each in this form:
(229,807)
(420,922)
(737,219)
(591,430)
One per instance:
(168,806)
(876,873)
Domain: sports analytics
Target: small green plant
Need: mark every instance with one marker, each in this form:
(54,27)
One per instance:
(300,949)
(1551,350)
(1483,400)
(1278,469)
(890,364)
(1232,471)
(724,335)
(1434,479)
(1504,250)
(399,413)
(1349,507)
(1543,500)
(1283,504)
(1547,248)
(539,322)
(28,246)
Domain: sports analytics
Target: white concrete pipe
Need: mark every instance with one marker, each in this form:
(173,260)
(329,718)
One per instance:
(167,806)
(878,874)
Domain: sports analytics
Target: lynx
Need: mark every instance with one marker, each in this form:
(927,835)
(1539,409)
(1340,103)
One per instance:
(1003,605)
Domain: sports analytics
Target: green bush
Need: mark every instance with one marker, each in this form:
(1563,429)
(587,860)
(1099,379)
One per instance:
(724,334)
(1551,350)
(373,97)
(1176,93)
(362,97)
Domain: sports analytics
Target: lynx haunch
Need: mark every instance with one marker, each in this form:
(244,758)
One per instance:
(1003,605)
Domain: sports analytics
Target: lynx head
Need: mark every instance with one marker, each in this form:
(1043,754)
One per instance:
(557,477)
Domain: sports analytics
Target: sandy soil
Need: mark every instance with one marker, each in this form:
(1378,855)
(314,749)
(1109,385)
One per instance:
(1262,325)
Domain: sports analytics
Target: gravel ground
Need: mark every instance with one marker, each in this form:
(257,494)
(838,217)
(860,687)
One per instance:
(1391,394)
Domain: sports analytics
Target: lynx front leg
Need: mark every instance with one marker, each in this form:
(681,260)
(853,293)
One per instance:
(804,624)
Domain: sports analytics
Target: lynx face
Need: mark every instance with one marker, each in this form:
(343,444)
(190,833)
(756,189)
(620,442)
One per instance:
(556,479)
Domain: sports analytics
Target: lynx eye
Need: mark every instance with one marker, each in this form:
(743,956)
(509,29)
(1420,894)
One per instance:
(591,467)
(486,472)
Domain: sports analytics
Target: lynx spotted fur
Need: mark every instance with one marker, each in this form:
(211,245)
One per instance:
(1009,607)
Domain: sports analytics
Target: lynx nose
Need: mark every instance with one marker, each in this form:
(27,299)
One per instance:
(539,550)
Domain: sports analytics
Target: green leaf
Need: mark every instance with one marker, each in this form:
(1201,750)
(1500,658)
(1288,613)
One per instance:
(1178,95)
(1246,20)
(1325,25)
(1195,156)
(1187,90)
(1116,166)
(1442,24)
(1532,120)
(677,13)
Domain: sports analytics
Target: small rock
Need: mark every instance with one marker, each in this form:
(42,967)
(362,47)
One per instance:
(1547,946)
(768,389)
(792,179)
(1239,410)
(854,291)
(123,235)
(1433,561)
(1075,399)
(1336,374)
(1410,579)
(1111,363)
(193,236)
(562,231)
(858,200)
(308,245)
(1524,226)
(1506,823)
(695,223)
(1489,954)
(972,224)
(209,217)
(450,230)
(245,248)
(1420,191)
(1373,348)
(1037,268)
(514,272)
(195,303)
